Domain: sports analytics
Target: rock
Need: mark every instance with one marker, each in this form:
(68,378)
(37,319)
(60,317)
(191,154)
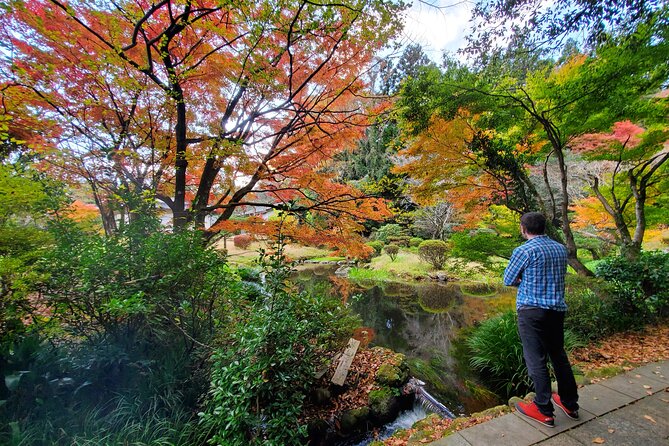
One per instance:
(393,374)
(318,431)
(342,271)
(383,405)
(493,411)
(353,421)
(513,400)
(320,395)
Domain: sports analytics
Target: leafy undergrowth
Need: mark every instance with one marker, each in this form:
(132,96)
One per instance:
(615,354)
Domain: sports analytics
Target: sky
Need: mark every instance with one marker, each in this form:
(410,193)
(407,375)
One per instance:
(438,29)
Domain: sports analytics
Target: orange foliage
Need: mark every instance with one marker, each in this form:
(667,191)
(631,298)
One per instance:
(590,212)
(80,211)
(203,104)
(447,170)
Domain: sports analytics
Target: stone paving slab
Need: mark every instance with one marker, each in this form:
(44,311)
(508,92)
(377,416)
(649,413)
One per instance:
(656,371)
(598,399)
(452,440)
(650,413)
(615,429)
(628,410)
(507,430)
(562,422)
(562,440)
(634,385)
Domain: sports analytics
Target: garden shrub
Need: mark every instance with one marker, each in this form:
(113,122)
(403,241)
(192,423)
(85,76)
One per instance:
(640,287)
(481,246)
(242,241)
(496,352)
(389,230)
(434,252)
(262,375)
(414,242)
(401,240)
(377,245)
(392,251)
(129,316)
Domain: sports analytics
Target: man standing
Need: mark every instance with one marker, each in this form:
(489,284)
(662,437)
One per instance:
(538,269)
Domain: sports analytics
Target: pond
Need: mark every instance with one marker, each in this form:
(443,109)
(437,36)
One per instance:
(420,320)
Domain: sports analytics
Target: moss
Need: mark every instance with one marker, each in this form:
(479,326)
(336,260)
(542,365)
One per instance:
(493,411)
(353,420)
(392,375)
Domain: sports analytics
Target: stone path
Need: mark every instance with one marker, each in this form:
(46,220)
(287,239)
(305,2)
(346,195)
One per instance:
(630,409)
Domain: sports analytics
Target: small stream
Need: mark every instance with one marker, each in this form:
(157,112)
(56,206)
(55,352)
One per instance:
(420,320)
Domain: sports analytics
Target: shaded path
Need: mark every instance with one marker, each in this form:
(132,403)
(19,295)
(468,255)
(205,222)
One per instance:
(629,409)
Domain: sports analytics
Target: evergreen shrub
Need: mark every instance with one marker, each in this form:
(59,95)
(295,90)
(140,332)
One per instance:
(392,251)
(265,369)
(641,286)
(377,245)
(434,252)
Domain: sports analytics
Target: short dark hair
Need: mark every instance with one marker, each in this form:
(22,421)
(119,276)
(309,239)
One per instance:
(534,223)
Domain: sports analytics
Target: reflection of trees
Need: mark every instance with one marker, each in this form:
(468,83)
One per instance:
(438,297)
(385,316)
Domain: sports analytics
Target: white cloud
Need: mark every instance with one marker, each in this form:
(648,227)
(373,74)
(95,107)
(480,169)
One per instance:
(438,28)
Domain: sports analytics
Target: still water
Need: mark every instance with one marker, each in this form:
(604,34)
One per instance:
(420,320)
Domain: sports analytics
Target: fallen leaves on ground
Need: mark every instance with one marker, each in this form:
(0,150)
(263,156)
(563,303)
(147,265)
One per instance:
(359,382)
(625,350)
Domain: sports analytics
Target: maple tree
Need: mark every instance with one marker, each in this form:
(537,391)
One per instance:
(624,169)
(205,105)
(529,113)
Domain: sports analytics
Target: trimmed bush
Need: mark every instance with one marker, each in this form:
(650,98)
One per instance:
(400,240)
(392,251)
(434,252)
(389,230)
(377,246)
(414,242)
(242,241)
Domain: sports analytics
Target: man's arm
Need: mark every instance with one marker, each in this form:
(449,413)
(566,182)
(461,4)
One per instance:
(514,270)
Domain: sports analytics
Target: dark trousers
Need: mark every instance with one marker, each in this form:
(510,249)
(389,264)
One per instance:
(542,334)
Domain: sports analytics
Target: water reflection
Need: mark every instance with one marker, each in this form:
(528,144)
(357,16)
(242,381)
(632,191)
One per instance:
(421,320)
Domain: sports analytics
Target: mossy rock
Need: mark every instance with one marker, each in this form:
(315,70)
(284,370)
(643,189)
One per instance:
(493,411)
(426,422)
(353,421)
(393,373)
(384,405)
(420,437)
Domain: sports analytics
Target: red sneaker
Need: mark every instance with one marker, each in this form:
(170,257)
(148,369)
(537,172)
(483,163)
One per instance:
(573,414)
(530,410)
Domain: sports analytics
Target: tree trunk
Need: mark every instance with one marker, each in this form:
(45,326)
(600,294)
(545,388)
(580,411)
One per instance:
(570,243)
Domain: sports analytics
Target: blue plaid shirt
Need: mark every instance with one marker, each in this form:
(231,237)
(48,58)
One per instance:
(537,268)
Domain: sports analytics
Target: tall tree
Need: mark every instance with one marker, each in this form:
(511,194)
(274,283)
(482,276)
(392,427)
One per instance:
(204,104)
(546,107)
(624,170)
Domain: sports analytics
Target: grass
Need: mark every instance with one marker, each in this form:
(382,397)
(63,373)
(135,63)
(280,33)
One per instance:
(357,274)
(407,265)
(249,255)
